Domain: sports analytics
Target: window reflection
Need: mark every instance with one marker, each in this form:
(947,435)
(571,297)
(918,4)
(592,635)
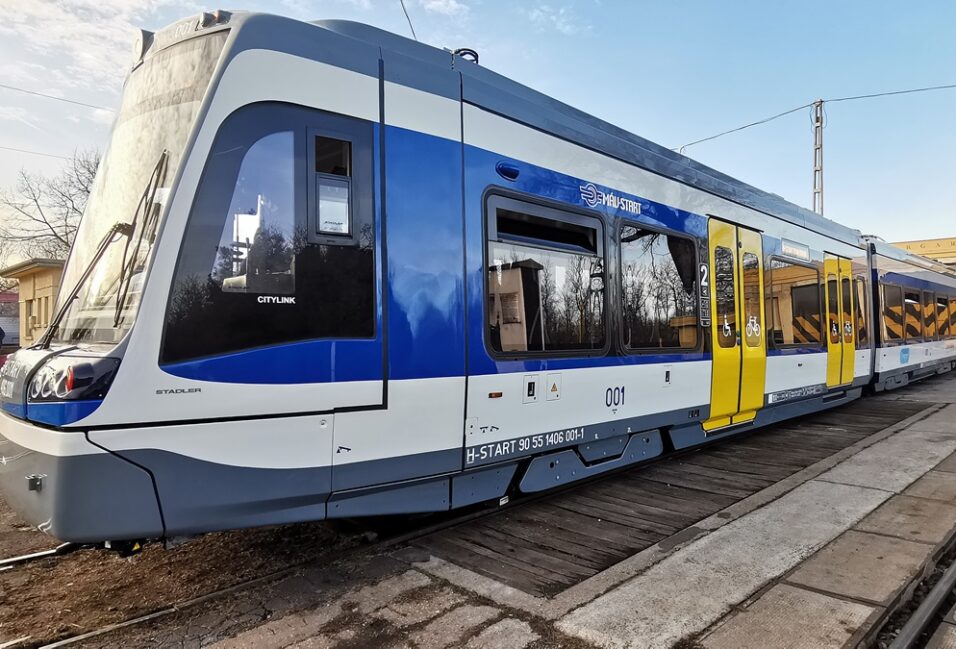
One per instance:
(753,327)
(914,316)
(893,312)
(256,248)
(724,280)
(859,307)
(544,300)
(659,289)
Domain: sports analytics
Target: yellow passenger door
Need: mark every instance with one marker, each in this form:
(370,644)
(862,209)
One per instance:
(738,343)
(841,335)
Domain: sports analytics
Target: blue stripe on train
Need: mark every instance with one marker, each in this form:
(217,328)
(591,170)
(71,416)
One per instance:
(62,412)
(425,291)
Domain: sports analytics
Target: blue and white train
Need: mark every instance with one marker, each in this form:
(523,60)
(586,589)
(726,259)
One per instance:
(326,271)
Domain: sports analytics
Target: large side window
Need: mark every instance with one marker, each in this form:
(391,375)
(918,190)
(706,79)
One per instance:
(794,304)
(658,289)
(914,315)
(893,318)
(545,280)
(859,307)
(929,315)
(942,316)
(269,256)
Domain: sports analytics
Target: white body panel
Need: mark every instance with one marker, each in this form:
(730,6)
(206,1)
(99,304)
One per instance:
(582,398)
(915,356)
(43,440)
(423,415)
(286,443)
(795,371)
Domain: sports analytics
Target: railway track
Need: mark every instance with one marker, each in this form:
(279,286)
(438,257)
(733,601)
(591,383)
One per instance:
(914,621)
(59,551)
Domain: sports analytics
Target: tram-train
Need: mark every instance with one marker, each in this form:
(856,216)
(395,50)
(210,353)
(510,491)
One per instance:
(326,271)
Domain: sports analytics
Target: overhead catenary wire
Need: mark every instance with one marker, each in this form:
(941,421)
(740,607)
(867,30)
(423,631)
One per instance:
(409,19)
(63,99)
(48,155)
(889,93)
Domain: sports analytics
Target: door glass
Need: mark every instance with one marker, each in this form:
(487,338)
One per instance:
(847,314)
(751,289)
(726,297)
(833,309)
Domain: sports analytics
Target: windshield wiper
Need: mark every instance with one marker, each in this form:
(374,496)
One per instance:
(124,229)
(145,206)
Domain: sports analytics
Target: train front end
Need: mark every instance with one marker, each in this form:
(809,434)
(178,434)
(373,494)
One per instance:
(52,471)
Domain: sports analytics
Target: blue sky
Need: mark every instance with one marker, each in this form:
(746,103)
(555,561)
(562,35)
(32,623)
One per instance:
(670,71)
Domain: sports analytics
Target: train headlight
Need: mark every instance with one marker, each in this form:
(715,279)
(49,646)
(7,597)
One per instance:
(70,378)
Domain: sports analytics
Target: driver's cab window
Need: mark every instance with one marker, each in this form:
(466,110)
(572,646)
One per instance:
(257,248)
(280,243)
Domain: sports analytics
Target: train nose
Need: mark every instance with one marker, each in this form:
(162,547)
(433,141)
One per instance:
(71,489)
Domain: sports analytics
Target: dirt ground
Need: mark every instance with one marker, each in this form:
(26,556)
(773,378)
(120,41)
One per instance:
(17,538)
(39,600)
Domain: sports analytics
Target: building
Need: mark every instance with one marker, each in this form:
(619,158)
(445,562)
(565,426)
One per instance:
(941,250)
(9,320)
(39,282)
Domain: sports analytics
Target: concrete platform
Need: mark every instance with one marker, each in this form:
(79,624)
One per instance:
(811,560)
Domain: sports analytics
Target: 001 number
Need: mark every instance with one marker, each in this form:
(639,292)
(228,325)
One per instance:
(614,397)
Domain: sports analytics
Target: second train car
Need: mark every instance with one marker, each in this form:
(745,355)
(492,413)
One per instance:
(326,271)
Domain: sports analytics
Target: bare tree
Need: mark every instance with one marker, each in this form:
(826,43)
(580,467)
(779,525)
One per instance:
(41,213)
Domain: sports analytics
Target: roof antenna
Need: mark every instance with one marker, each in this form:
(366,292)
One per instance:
(408,18)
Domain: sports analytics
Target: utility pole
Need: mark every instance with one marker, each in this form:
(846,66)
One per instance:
(818,156)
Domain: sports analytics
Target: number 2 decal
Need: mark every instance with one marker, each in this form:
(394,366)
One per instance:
(704,273)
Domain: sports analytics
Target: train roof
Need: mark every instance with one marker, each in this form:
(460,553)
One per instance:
(925,263)
(505,96)
(417,64)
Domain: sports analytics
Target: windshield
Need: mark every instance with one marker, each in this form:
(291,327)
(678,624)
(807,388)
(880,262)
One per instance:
(160,102)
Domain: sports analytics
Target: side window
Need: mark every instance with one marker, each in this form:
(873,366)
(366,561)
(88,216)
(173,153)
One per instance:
(724,285)
(952,316)
(794,304)
(545,280)
(929,315)
(893,319)
(252,270)
(859,308)
(333,187)
(942,317)
(658,289)
(914,315)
